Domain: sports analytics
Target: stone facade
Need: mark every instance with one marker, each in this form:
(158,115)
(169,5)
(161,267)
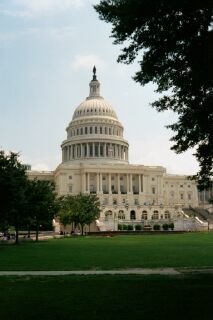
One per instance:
(95,160)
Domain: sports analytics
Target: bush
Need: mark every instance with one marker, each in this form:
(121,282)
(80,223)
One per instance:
(171,226)
(120,227)
(156,227)
(125,227)
(130,227)
(165,226)
(138,227)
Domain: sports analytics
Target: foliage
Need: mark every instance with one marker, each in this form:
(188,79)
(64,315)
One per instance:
(125,227)
(165,226)
(129,227)
(41,200)
(138,227)
(156,227)
(13,185)
(173,40)
(120,227)
(171,226)
(82,209)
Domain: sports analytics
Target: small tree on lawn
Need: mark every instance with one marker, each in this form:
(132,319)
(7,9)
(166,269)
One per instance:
(65,211)
(41,202)
(86,209)
(13,185)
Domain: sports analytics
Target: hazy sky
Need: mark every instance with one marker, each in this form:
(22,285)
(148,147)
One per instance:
(47,52)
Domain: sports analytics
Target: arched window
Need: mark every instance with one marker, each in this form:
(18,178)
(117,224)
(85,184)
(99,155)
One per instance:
(155,216)
(132,215)
(121,215)
(167,214)
(144,215)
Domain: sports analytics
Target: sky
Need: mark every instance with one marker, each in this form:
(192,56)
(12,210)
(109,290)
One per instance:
(47,51)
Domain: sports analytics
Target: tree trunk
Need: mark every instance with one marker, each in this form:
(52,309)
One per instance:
(37,230)
(82,229)
(17,233)
(28,231)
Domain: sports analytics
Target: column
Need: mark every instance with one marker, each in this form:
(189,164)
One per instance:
(88,182)
(127,183)
(97,183)
(101,181)
(71,151)
(93,149)
(139,183)
(81,150)
(84,182)
(118,183)
(109,183)
(87,152)
(104,150)
(76,151)
(130,183)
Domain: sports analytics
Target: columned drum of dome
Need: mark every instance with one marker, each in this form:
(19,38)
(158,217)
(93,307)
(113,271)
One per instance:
(95,132)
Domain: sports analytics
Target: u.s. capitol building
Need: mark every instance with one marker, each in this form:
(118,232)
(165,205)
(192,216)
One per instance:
(95,159)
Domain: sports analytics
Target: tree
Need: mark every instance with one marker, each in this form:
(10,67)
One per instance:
(82,208)
(174,42)
(65,211)
(13,185)
(41,200)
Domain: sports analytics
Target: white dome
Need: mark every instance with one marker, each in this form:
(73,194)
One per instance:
(94,106)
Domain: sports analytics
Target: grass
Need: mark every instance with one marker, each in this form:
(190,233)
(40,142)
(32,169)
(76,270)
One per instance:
(146,251)
(107,297)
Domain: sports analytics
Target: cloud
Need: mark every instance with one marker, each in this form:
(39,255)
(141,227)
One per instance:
(86,61)
(37,8)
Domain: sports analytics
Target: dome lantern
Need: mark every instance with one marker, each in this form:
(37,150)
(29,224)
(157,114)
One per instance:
(94,86)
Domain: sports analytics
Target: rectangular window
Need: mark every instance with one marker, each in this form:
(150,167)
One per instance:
(86,130)
(70,188)
(100,130)
(70,177)
(153,190)
(105,130)
(96,130)
(90,130)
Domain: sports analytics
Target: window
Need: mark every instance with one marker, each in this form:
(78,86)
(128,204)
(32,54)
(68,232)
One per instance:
(144,215)
(153,190)
(70,177)
(167,215)
(181,196)
(96,130)
(86,130)
(90,129)
(113,178)
(100,130)
(189,196)
(181,185)
(77,132)
(153,179)
(155,216)
(114,201)
(121,215)
(110,131)
(70,188)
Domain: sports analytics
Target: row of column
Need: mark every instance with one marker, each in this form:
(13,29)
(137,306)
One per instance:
(96,185)
(93,150)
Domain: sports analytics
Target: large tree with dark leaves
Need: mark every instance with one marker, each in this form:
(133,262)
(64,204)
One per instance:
(13,185)
(174,43)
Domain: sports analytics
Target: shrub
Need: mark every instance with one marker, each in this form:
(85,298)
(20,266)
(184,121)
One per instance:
(125,227)
(156,227)
(130,227)
(138,227)
(171,226)
(165,226)
(120,227)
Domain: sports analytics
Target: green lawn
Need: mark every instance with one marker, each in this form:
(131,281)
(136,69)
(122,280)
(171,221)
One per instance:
(107,297)
(172,250)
